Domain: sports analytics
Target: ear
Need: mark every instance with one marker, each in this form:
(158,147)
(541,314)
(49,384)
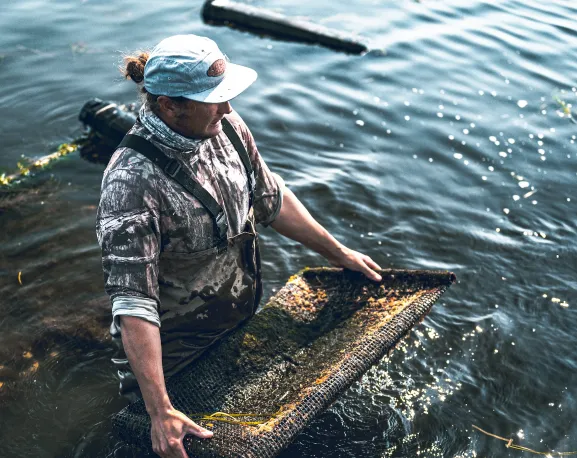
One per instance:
(167,106)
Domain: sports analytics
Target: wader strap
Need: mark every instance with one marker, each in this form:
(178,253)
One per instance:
(173,169)
(241,150)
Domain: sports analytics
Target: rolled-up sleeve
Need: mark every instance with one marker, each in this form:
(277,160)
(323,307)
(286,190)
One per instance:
(278,204)
(139,307)
(128,233)
(268,190)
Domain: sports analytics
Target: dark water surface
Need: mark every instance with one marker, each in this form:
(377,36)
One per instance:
(449,151)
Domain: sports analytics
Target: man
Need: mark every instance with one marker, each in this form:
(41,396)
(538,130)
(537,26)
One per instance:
(179,203)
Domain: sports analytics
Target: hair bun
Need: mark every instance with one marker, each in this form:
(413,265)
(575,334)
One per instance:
(134,67)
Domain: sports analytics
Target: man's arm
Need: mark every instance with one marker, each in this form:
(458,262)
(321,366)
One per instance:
(294,221)
(141,341)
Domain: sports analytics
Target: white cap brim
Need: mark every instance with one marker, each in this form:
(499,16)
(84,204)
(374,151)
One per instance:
(235,81)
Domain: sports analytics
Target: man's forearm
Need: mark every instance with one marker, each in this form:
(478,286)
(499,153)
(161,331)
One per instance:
(141,341)
(295,221)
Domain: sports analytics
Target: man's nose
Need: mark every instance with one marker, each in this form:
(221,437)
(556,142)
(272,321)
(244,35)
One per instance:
(224,108)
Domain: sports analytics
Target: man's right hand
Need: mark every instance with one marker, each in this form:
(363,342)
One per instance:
(141,341)
(168,430)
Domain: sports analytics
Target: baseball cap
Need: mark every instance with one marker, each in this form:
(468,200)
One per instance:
(193,67)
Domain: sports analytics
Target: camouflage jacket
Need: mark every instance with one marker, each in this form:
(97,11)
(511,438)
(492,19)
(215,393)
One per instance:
(160,244)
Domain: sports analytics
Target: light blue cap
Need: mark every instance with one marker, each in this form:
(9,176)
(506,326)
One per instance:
(193,67)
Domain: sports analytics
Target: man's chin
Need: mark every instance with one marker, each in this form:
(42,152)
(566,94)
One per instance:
(213,130)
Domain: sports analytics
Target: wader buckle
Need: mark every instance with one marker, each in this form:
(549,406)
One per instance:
(172,168)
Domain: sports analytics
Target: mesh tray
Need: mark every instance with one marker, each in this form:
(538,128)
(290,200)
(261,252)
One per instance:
(320,333)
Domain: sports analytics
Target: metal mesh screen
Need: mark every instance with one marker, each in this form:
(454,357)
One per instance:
(320,333)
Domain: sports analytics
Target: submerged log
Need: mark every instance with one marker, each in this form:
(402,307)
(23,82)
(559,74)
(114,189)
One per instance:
(275,25)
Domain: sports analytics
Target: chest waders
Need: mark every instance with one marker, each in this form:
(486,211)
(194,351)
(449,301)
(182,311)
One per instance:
(188,330)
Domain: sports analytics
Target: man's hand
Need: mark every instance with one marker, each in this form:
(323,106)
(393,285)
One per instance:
(168,430)
(141,341)
(354,260)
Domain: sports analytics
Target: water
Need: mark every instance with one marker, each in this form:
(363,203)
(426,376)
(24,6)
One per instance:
(447,150)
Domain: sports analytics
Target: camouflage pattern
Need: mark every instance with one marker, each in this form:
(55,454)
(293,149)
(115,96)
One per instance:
(159,242)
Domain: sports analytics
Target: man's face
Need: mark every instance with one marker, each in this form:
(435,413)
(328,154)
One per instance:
(199,120)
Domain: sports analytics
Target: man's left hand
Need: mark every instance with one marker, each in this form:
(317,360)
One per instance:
(353,260)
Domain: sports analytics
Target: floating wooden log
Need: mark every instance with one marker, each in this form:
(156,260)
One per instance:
(276,25)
